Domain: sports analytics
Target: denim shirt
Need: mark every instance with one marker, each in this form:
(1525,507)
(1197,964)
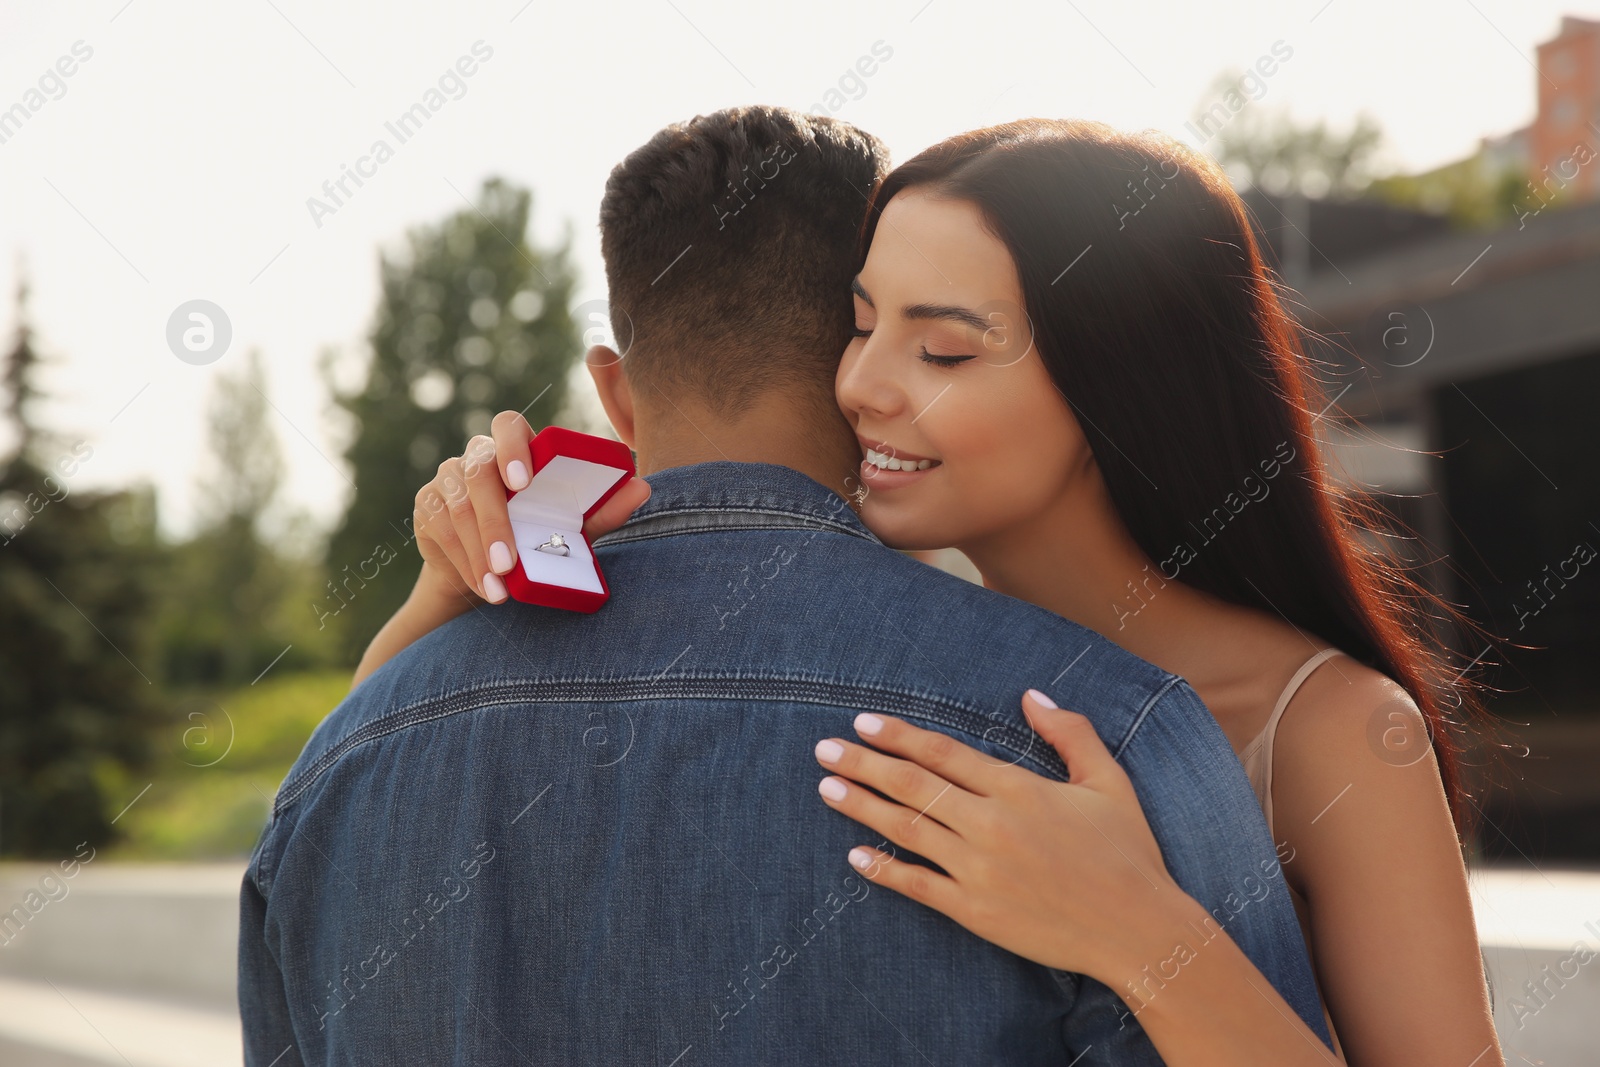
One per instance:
(536,836)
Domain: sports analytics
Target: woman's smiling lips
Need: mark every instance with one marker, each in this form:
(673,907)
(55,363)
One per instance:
(886,467)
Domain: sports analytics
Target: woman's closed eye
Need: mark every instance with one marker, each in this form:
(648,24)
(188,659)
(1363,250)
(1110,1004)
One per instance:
(922,353)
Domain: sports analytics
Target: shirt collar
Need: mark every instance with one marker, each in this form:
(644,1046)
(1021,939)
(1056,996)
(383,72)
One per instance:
(701,490)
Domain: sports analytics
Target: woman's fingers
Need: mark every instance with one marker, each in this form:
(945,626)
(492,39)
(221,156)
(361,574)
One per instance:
(909,827)
(614,512)
(940,753)
(920,790)
(1073,736)
(437,541)
(908,879)
(463,525)
(487,494)
(512,435)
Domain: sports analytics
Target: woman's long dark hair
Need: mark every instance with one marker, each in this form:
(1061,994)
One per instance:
(1159,322)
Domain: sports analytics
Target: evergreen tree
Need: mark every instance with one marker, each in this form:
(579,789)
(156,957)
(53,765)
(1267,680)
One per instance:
(472,320)
(77,680)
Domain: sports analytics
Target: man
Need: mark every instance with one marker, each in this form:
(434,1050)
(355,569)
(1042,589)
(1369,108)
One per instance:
(535,836)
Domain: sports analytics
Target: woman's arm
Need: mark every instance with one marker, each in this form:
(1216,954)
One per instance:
(432,603)
(1357,795)
(460,510)
(1218,1008)
(1067,874)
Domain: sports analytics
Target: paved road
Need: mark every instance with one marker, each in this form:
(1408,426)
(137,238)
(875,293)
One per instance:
(134,967)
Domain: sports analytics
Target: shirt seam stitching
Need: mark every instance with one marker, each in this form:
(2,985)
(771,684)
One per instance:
(1144,713)
(805,691)
(811,520)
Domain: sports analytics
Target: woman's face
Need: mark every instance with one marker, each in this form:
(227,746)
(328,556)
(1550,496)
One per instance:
(943,380)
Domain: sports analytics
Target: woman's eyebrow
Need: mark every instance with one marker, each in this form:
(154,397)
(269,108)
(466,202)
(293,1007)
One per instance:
(928,311)
(947,311)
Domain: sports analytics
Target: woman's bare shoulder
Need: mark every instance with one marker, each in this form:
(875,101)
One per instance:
(1352,715)
(1354,770)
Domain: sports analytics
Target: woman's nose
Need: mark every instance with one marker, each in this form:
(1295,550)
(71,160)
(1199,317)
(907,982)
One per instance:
(861,385)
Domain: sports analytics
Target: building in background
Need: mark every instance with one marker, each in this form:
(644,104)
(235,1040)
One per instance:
(1465,345)
(1470,358)
(1553,159)
(1547,151)
(1569,109)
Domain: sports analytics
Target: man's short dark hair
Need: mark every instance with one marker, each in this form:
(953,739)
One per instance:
(729,243)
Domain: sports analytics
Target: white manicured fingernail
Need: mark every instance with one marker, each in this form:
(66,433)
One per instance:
(517,474)
(499,557)
(829,751)
(832,788)
(868,724)
(494,590)
(861,858)
(1041,698)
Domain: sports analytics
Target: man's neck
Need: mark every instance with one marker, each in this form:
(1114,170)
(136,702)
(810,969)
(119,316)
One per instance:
(818,444)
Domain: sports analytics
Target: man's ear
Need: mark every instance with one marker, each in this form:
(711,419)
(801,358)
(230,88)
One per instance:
(616,395)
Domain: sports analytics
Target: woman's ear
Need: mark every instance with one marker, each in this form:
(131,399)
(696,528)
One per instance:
(611,382)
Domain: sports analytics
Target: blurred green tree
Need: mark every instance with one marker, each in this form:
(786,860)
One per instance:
(1474,193)
(472,320)
(232,600)
(1268,149)
(78,681)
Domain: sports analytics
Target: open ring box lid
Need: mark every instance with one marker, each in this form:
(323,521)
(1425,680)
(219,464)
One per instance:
(573,474)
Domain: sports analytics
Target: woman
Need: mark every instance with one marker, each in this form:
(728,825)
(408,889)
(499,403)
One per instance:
(1072,366)
(1159,483)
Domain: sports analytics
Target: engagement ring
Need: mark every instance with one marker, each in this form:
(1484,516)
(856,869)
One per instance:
(557,545)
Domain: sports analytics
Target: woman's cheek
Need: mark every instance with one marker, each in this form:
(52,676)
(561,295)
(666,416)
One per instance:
(971,499)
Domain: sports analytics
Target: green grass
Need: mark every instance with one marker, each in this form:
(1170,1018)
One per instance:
(220,761)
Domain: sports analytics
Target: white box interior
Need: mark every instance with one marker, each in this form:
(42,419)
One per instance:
(555,502)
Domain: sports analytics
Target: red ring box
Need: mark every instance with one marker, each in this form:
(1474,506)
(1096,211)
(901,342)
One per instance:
(573,474)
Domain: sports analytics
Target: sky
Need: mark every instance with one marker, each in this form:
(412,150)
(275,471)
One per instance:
(176,161)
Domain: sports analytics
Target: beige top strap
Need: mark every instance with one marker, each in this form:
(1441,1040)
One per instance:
(1257,755)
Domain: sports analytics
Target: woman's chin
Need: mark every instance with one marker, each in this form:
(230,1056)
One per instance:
(904,528)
